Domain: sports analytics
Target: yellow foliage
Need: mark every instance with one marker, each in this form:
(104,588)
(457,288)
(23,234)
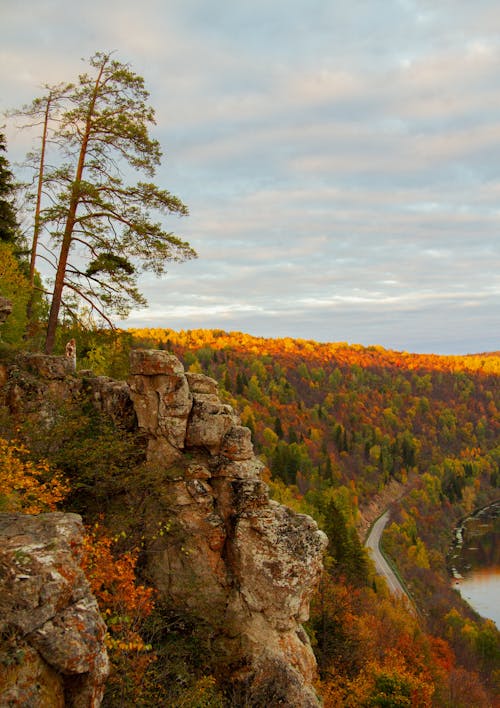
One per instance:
(469,498)
(124,604)
(15,287)
(27,486)
(270,437)
(394,681)
(418,554)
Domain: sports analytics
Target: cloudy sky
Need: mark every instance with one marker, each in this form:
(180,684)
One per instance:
(340,158)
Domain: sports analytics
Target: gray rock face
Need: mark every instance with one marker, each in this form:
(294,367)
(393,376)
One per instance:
(46,606)
(109,396)
(216,546)
(45,366)
(246,563)
(36,381)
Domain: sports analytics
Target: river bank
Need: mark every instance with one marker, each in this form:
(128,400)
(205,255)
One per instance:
(474,560)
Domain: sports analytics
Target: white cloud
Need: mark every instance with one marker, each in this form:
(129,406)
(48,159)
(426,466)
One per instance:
(339,159)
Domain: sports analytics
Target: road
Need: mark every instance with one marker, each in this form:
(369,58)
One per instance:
(381,565)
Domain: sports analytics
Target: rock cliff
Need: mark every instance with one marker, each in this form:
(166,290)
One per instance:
(51,633)
(225,554)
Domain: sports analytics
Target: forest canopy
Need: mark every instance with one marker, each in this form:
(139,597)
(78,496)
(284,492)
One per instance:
(93,228)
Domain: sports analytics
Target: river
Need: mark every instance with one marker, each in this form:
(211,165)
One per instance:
(475,561)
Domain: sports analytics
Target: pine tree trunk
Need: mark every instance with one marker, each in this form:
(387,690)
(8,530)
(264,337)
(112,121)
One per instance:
(70,223)
(58,286)
(36,230)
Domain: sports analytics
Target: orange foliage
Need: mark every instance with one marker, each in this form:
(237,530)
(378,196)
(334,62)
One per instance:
(341,352)
(25,485)
(377,654)
(124,605)
(442,654)
(392,681)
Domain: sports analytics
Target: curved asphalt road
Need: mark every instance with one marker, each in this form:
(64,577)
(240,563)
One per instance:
(381,565)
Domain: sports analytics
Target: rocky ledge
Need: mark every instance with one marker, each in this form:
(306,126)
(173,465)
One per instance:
(215,546)
(232,555)
(51,633)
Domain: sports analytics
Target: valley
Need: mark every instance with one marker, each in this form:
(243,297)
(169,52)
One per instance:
(340,432)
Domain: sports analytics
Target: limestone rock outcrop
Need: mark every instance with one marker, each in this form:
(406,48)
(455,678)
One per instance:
(52,635)
(230,554)
(38,383)
(215,546)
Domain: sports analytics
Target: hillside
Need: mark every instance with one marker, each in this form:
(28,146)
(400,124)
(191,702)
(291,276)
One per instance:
(334,413)
(229,572)
(339,429)
(340,425)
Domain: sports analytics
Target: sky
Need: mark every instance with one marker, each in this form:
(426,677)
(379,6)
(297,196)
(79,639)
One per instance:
(340,158)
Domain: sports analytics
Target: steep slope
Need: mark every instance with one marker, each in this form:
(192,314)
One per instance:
(247,563)
(213,543)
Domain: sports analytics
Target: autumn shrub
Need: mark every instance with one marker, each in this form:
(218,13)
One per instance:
(27,486)
(124,604)
(158,656)
(96,454)
(182,674)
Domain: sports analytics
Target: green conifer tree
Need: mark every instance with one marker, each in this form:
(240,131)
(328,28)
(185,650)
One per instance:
(103,230)
(8,218)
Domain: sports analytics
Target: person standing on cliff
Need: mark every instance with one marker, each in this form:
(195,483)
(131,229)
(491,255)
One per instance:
(71,352)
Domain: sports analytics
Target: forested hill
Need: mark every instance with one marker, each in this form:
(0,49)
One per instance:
(339,414)
(337,426)
(488,362)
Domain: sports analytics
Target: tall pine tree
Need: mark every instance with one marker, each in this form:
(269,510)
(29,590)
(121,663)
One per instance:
(103,231)
(8,219)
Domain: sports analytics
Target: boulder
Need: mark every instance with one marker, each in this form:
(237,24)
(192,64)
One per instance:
(210,421)
(48,610)
(237,444)
(231,556)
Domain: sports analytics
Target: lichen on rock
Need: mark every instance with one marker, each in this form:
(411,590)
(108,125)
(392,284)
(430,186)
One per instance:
(226,555)
(52,633)
(233,557)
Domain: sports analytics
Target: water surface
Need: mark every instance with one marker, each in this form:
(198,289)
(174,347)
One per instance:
(476,562)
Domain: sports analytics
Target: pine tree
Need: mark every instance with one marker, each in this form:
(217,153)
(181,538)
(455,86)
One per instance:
(344,546)
(8,219)
(103,230)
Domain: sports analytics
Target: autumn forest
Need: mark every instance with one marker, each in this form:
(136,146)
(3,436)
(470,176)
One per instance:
(344,432)
(338,426)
